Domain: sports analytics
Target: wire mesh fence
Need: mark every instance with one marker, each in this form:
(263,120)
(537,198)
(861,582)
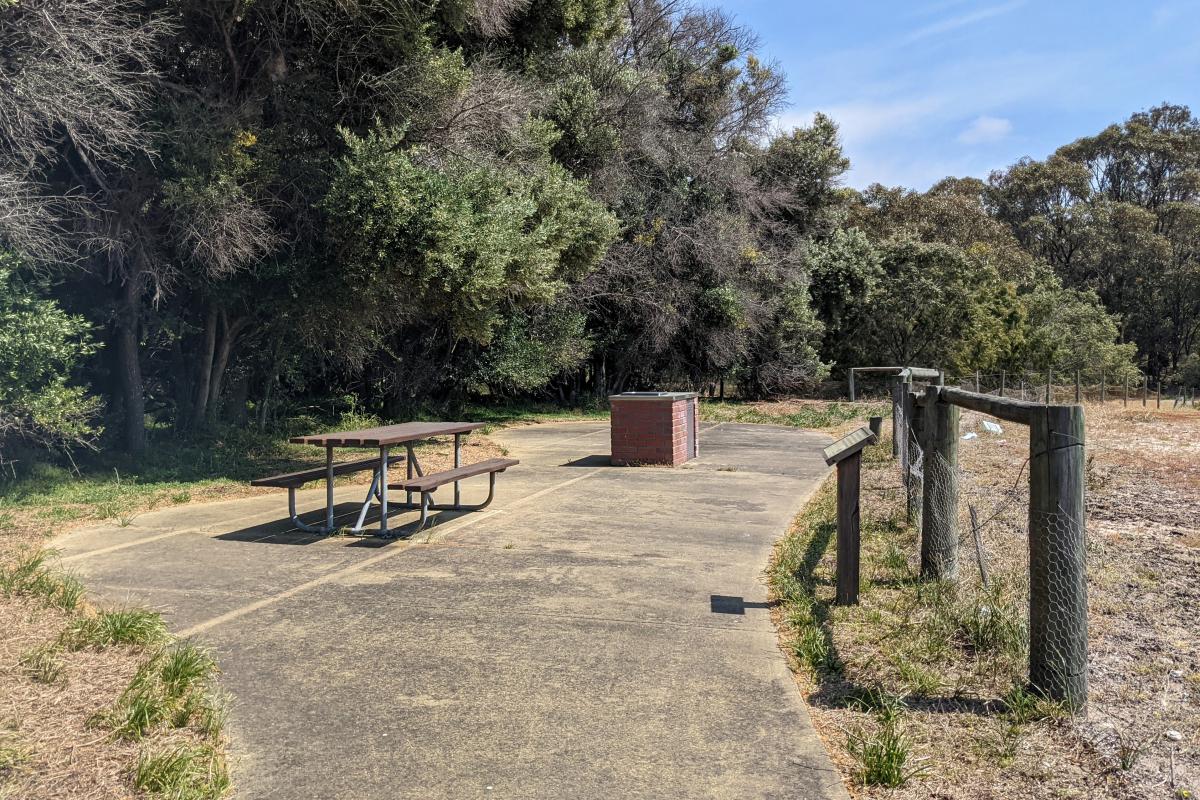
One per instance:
(999,507)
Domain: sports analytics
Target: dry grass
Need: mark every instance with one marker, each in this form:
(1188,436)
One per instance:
(64,676)
(951,656)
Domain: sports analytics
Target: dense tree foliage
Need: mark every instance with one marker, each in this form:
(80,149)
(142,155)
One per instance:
(40,348)
(253,206)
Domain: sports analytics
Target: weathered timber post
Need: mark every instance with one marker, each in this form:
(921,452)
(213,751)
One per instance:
(1057,548)
(1077,395)
(1125,398)
(1145,389)
(1049,385)
(1103,387)
(976,381)
(1002,376)
(1158,396)
(939,517)
(846,453)
(876,426)
(848,530)
(851,373)
(899,423)
(912,486)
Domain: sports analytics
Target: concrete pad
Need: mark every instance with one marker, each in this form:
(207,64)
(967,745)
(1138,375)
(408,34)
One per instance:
(599,632)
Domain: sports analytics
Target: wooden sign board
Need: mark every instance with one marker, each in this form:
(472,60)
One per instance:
(848,445)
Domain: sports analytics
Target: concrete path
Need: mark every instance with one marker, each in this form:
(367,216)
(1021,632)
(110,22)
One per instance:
(599,632)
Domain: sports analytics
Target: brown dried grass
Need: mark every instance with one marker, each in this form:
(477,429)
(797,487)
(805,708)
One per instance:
(1144,561)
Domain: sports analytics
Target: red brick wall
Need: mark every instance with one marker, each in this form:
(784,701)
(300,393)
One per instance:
(650,431)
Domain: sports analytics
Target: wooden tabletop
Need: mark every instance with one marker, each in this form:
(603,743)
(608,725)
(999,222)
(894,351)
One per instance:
(387,435)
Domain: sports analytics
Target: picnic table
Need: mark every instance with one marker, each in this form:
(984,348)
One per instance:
(383,439)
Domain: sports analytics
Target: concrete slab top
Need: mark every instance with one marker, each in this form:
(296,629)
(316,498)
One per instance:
(599,632)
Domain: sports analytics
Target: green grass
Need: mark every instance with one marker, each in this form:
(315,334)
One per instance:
(28,575)
(14,753)
(815,415)
(182,772)
(173,687)
(110,486)
(884,754)
(43,664)
(126,626)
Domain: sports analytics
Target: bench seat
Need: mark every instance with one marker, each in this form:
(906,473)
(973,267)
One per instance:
(430,483)
(294,480)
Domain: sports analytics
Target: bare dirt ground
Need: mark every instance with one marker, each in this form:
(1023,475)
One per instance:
(1140,737)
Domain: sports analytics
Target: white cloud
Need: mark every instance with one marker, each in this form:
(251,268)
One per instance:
(866,121)
(985,130)
(961,21)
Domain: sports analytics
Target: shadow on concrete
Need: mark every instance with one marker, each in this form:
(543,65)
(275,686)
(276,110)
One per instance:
(282,531)
(599,460)
(732,604)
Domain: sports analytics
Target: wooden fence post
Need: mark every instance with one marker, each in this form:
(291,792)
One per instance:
(1077,396)
(1002,376)
(1049,385)
(1057,549)
(1103,387)
(1125,399)
(1158,396)
(976,381)
(846,453)
(851,384)
(913,488)
(1145,389)
(939,517)
(900,422)
(848,530)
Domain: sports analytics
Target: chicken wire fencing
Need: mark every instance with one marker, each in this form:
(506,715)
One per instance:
(982,526)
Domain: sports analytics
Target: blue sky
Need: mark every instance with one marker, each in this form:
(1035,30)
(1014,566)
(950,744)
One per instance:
(928,88)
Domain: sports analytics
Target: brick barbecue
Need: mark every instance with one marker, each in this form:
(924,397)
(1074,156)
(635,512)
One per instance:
(654,427)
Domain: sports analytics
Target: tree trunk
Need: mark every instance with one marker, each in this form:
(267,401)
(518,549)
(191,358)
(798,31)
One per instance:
(229,334)
(129,368)
(204,379)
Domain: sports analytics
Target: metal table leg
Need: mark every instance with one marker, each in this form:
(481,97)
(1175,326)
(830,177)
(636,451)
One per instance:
(457,464)
(409,450)
(328,489)
(383,491)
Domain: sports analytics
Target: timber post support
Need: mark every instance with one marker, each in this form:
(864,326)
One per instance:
(848,531)
(1049,385)
(1125,399)
(1103,387)
(1057,547)
(851,374)
(876,426)
(1078,397)
(1002,376)
(939,517)
(899,423)
(846,453)
(913,486)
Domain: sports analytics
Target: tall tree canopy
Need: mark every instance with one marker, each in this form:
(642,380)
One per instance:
(225,210)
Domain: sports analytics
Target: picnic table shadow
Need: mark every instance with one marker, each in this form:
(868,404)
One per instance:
(283,532)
